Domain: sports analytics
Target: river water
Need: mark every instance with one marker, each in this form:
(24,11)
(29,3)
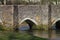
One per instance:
(55,34)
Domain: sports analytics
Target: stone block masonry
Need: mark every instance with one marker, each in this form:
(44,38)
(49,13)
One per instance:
(35,13)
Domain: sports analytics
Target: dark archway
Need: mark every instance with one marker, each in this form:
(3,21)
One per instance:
(30,23)
(58,25)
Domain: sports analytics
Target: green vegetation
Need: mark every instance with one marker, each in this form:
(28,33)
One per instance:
(18,36)
(1,28)
(4,28)
(44,27)
(10,35)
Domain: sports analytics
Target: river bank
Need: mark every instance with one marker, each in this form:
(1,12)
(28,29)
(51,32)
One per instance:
(6,35)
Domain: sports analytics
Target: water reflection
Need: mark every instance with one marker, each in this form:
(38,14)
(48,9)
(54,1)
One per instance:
(24,28)
(43,33)
(40,33)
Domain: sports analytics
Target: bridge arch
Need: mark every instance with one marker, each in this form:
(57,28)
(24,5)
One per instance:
(56,24)
(30,22)
(55,21)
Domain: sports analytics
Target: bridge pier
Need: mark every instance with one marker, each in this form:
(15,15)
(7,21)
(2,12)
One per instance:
(15,18)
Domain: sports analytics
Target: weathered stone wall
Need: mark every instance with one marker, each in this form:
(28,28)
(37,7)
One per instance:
(55,13)
(39,13)
(0,14)
(6,14)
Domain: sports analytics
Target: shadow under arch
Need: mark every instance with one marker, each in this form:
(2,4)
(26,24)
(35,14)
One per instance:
(30,22)
(56,24)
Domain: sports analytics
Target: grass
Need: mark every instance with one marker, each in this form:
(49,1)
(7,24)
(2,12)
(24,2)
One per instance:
(18,36)
(9,35)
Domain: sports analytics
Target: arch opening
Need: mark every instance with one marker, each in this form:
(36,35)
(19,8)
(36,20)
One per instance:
(56,25)
(29,24)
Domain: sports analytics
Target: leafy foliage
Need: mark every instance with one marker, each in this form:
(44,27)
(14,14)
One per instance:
(1,28)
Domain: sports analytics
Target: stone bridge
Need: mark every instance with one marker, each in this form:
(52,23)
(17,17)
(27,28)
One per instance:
(11,15)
